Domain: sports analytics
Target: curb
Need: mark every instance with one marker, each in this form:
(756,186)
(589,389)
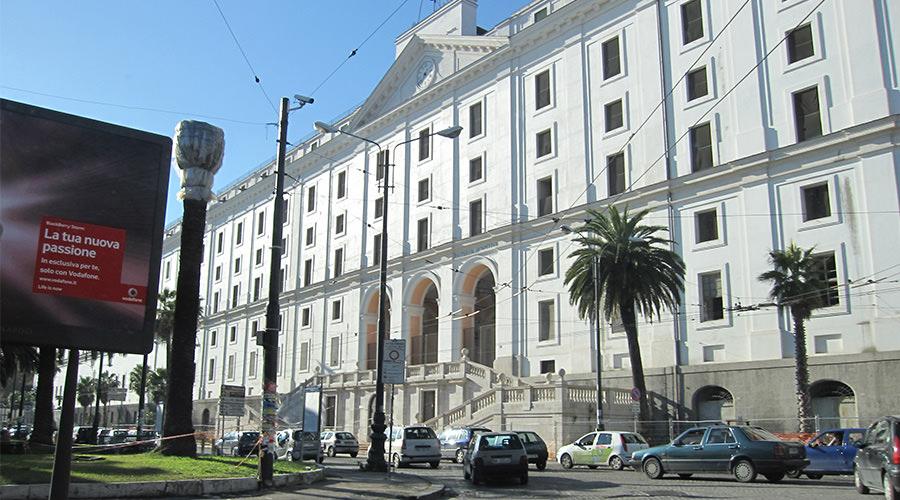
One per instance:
(190,487)
(437,491)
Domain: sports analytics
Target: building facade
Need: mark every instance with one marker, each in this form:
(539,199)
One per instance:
(740,126)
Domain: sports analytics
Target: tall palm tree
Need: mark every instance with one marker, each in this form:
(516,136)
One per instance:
(107,381)
(636,273)
(15,358)
(165,320)
(85,394)
(798,284)
(43,405)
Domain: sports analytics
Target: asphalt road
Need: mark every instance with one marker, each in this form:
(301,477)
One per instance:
(556,482)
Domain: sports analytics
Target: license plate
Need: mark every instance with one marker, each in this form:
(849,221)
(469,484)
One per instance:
(501,460)
(793,452)
(532,455)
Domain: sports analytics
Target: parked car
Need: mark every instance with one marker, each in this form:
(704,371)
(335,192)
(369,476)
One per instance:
(495,454)
(112,436)
(339,442)
(743,451)
(535,447)
(148,441)
(85,435)
(414,444)
(307,446)
(877,464)
(831,452)
(610,448)
(455,441)
(237,443)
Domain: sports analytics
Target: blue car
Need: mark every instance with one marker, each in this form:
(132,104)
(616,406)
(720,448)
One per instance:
(831,452)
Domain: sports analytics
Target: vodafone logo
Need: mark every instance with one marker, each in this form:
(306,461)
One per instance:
(132,292)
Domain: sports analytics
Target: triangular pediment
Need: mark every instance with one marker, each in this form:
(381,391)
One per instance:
(425,62)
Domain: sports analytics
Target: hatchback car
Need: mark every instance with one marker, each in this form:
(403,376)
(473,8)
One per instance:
(831,452)
(743,451)
(535,447)
(237,443)
(414,444)
(610,448)
(495,454)
(339,442)
(307,446)
(877,464)
(455,441)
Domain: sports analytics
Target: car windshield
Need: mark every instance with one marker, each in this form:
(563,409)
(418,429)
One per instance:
(529,437)
(343,435)
(757,434)
(249,436)
(501,442)
(419,433)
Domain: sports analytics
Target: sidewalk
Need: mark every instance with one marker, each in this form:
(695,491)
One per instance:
(346,484)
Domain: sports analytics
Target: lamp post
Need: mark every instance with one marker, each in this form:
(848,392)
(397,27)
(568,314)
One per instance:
(375,459)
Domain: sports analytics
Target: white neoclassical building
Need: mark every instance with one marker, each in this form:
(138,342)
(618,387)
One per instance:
(741,127)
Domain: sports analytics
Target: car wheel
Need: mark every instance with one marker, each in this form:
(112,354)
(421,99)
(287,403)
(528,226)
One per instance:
(793,473)
(353,454)
(653,468)
(889,492)
(565,461)
(616,463)
(541,465)
(774,477)
(460,454)
(234,452)
(523,479)
(813,475)
(857,481)
(744,471)
(397,462)
(685,475)
(434,465)
(330,451)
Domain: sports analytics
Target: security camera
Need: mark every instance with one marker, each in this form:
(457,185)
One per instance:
(302,99)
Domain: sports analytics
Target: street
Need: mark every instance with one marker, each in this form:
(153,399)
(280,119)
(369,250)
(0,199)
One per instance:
(556,482)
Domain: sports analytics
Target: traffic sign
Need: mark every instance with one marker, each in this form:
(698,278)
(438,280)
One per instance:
(635,394)
(636,408)
(116,394)
(231,401)
(393,369)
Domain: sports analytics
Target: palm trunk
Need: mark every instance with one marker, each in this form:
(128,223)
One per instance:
(43,405)
(801,374)
(179,406)
(634,353)
(96,425)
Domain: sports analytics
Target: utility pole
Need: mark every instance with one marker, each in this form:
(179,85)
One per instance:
(95,428)
(375,459)
(140,419)
(594,271)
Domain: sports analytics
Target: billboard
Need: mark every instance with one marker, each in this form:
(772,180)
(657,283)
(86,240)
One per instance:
(82,208)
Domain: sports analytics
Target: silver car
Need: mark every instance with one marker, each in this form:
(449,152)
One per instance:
(495,454)
(413,444)
(339,442)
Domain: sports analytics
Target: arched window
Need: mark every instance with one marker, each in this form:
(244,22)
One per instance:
(834,404)
(714,403)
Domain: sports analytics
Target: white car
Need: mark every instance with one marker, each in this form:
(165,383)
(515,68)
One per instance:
(610,448)
(413,444)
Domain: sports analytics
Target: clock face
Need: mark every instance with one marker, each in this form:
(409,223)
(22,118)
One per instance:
(425,74)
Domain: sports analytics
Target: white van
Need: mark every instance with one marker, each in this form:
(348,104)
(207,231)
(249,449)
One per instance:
(413,444)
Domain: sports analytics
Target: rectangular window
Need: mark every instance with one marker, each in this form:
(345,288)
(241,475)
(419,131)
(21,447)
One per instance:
(800,44)
(336,310)
(615,168)
(310,236)
(212,338)
(215,304)
(338,262)
(253,363)
(613,113)
(542,89)
(232,334)
(379,207)
(429,405)
(548,366)
(339,226)
(701,147)
(826,268)
(476,169)
(376,250)
(237,265)
(259,257)
(168,270)
(231,367)
(707,224)
(254,327)
(311,199)
(696,84)
(475,120)
(545,262)
(612,60)
(381,161)
(239,234)
(307,272)
(220,242)
(422,233)
(691,21)
(329,411)
(424,144)
(545,196)
(546,319)
(212,370)
(284,246)
(282,280)
(285,210)
(257,288)
(544,143)
(806,114)
(306,317)
(424,192)
(540,14)
(335,357)
(816,202)
(218,273)
(711,303)
(261,223)
(475,217)
(341,185)
(304,356)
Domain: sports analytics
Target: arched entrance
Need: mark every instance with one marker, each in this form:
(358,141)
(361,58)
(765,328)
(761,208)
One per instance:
(713,403)
(423,325)
(479,318)
(205,419)
(371,328)
(834,403)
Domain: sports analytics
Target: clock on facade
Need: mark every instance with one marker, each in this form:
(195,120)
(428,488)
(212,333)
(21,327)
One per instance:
(425,74)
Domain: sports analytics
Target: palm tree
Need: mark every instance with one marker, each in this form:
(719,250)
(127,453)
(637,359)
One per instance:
(43,405)
(797,284)
(165,320)
(85,394)
(636,273)
(155,387)
(107,381)
(16,358)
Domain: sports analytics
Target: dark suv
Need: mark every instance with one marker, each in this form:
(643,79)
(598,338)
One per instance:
(877,463)
(455,440)
(237,443)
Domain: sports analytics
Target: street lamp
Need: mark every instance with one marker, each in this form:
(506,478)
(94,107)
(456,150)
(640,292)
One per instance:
(375,458)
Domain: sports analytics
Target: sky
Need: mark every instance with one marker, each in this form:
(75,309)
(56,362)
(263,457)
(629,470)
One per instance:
(148,65)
